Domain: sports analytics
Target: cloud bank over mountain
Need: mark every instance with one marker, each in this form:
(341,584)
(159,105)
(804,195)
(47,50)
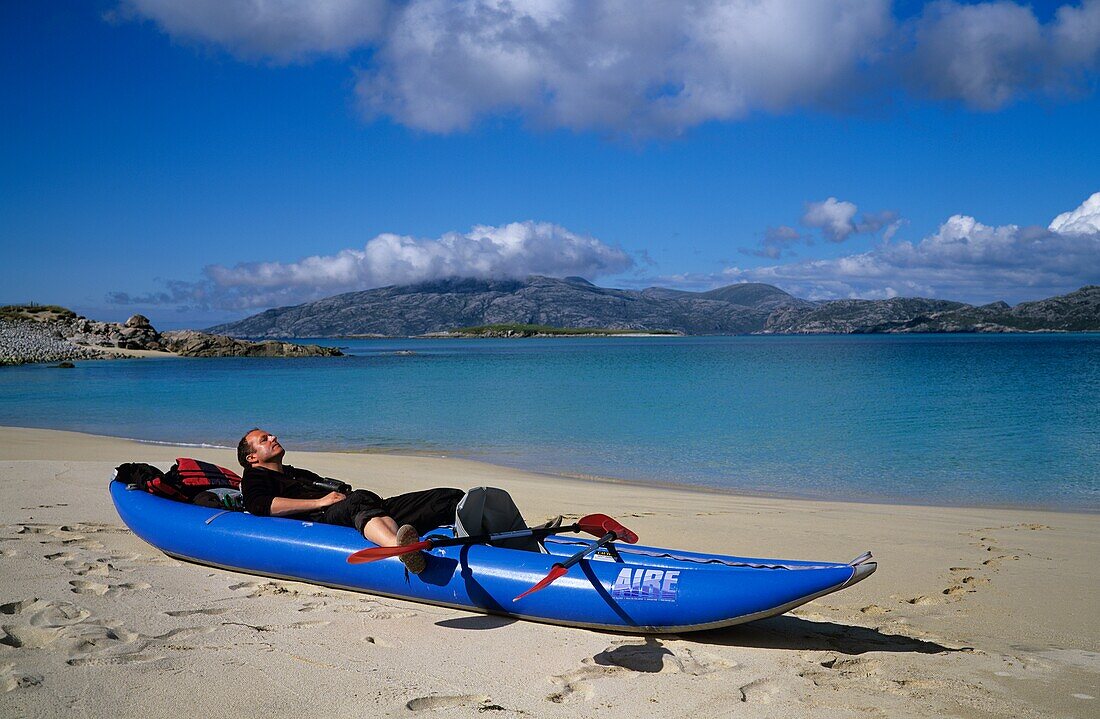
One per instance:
(517,249)
(648,67)
(963,260)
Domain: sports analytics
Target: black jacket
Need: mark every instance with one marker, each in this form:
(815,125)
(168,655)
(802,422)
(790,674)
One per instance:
(261,485)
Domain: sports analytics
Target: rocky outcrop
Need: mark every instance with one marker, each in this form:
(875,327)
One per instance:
(135,334)
(37,334)
(188,343)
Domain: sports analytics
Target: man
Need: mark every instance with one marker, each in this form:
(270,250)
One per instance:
(272,488)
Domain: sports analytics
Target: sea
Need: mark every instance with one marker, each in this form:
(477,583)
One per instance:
(977,420)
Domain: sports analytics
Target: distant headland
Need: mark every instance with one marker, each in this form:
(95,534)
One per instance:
(576,306)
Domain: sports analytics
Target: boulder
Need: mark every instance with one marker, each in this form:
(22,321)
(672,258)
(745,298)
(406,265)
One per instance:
(139,321)
(188,343)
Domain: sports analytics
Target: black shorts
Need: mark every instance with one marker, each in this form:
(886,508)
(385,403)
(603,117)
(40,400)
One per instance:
(424,510)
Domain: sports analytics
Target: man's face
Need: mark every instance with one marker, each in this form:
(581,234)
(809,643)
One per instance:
(265,447)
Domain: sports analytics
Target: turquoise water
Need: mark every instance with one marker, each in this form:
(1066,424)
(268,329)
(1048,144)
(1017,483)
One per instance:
(980,420)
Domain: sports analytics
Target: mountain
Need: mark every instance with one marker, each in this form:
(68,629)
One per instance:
(571,302)
(1078,311)
(847,316)
(745,308)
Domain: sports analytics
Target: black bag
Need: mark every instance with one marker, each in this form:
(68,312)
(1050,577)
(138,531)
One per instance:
(139,474)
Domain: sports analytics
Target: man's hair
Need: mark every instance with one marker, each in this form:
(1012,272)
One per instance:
(244,448)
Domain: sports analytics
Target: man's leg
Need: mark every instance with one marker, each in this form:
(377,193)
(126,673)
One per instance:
(364,511)
(382,531)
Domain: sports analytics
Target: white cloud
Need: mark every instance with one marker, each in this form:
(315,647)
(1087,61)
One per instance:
(963,260)
(517,249)
(833,217)
(646,67)
(837,220)
(1085,220)
(638,67)
(278,30)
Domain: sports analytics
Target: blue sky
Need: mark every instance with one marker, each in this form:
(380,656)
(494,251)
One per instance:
(201,161)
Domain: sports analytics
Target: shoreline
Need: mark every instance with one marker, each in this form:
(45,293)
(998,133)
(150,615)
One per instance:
(603,479)
(972,613)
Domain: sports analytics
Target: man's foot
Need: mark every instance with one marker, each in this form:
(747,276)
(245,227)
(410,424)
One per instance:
(413,561)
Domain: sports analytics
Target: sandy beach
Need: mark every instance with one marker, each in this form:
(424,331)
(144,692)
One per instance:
(972,613)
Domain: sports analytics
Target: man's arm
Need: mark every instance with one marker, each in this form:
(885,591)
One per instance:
(282,506)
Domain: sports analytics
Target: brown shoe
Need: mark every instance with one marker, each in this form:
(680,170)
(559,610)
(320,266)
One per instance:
(413,561)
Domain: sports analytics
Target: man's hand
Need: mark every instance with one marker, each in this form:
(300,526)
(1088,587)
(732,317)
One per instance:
(330,499)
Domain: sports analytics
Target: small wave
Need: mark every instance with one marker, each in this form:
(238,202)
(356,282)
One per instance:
(200,445)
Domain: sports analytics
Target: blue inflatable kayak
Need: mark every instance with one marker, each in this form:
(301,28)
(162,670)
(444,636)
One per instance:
(631,588)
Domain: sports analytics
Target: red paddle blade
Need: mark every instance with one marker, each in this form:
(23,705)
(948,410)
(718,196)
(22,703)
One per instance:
(600,524)
(373,554)
(556,573)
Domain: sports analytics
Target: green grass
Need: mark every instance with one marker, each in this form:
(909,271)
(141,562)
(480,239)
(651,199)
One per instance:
(33,311)
(522,330)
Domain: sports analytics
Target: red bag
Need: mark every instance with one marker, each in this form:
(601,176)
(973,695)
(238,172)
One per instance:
(188,477)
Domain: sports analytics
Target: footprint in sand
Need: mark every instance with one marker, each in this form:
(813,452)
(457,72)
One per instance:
(27,637)
(308,625)
(44,623)
(833,671)
(95,569)
(16,607)
(267,589)
(83,586)
(66,535)
(113,659)
(105,645)
(577,685)
(184,633)
(55,614)
(392,615)
(12,678)
(995,563)
(72,632)
(61,557)
(377,641)
(759,691)
(94,527)
(192,612)
(482,702)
